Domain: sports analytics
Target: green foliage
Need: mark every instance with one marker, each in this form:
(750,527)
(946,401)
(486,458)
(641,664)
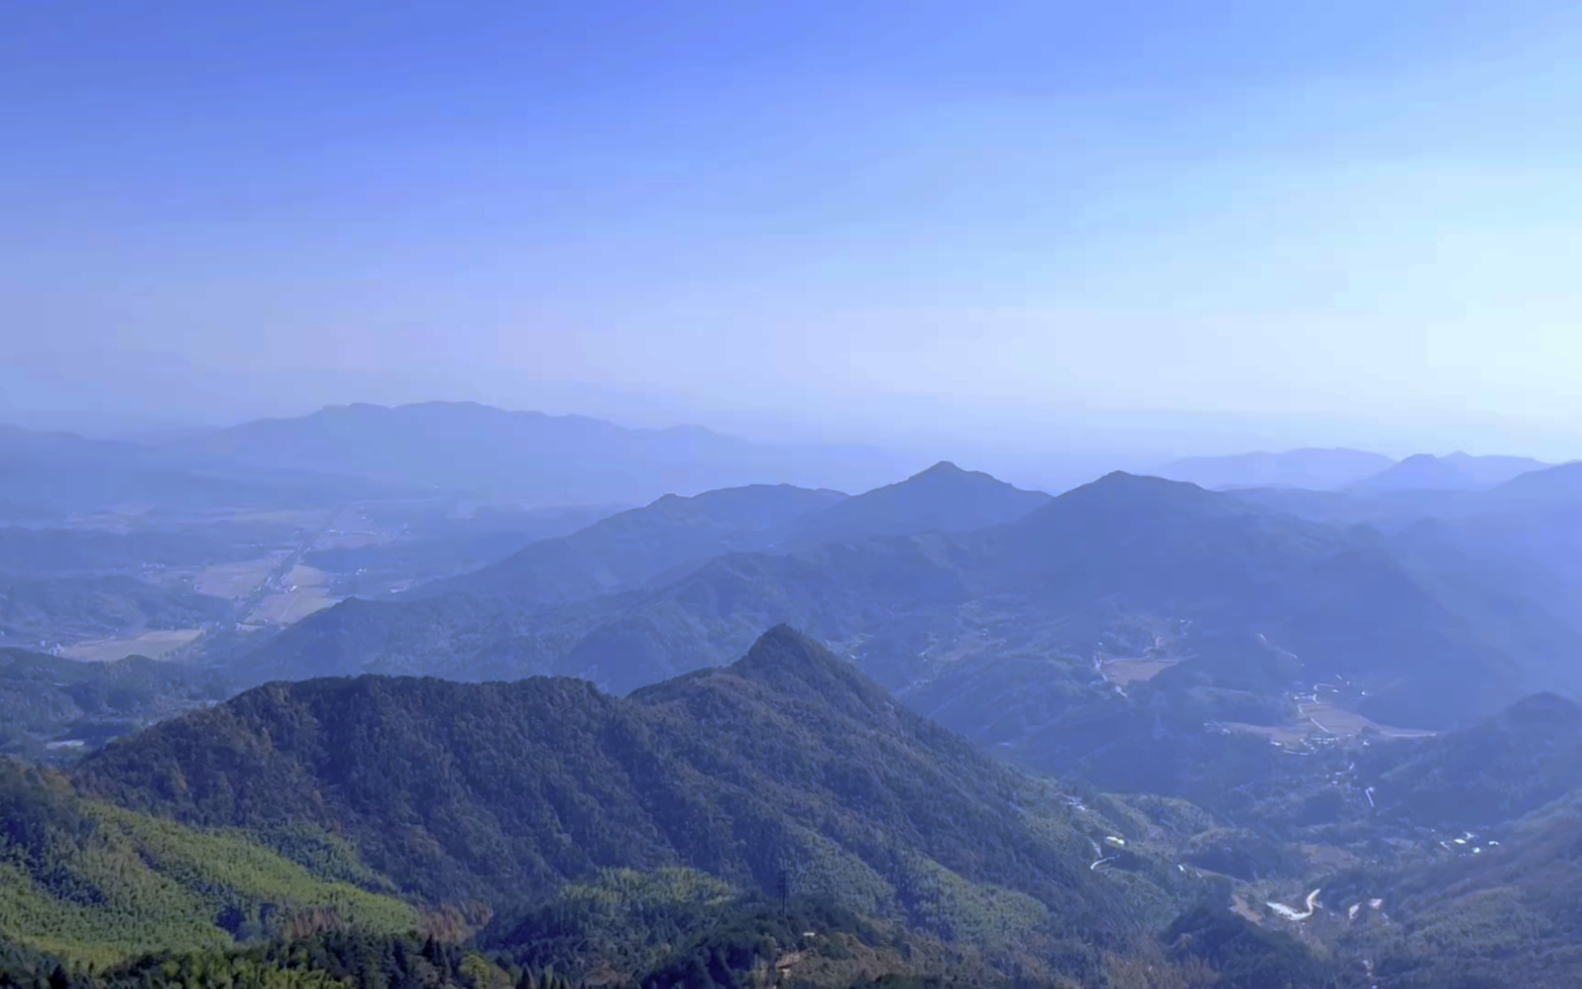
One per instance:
(1245,956)
(329,960)
(788,771)
(93,882)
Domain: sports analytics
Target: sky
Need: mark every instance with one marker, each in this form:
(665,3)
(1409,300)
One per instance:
(1019,227)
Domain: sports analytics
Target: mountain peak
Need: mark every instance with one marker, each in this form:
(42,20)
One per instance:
(943,498)
(783,648)
(943,469)
(787,660)
(1544,709)
(1131,488)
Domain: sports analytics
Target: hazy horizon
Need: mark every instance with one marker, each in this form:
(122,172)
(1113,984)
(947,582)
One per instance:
(1040,232)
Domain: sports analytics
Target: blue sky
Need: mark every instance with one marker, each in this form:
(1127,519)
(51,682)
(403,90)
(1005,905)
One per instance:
(1187,226)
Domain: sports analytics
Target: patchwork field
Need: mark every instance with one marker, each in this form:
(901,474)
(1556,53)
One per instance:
(302,592)
(237,580)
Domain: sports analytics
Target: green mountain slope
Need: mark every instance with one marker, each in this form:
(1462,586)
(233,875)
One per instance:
(93,882)
(786,764)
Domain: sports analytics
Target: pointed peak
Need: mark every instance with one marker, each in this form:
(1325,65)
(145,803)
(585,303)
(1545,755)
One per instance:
(789,662)
(780,645)
(942,469)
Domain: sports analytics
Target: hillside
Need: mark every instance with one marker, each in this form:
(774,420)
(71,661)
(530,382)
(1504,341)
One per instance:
(1496,771)
(786,762)
(96,883)
(1336,598)
(1506,917)
(1311,469)
(638,546)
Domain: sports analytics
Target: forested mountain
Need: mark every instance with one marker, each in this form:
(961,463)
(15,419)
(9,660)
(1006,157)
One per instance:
(524,456)
(788,758)
(102,884)
(1317,470)
(660,832)
(787,771)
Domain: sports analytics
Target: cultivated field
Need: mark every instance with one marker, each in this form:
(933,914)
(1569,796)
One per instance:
(302,592)
(237,580)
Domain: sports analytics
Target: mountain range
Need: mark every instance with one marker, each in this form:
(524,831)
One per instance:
(1456,472)
(946,614)
(786,773)
(1311,469)
(361,451)
(674,534)
(528,457)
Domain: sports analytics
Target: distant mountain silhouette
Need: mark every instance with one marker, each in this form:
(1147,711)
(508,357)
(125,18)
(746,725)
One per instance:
(943,498)
(637,546)
(1123,549)
(522,456)
(1550,486)
(1456,472)
(1315,469)
(46,476)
